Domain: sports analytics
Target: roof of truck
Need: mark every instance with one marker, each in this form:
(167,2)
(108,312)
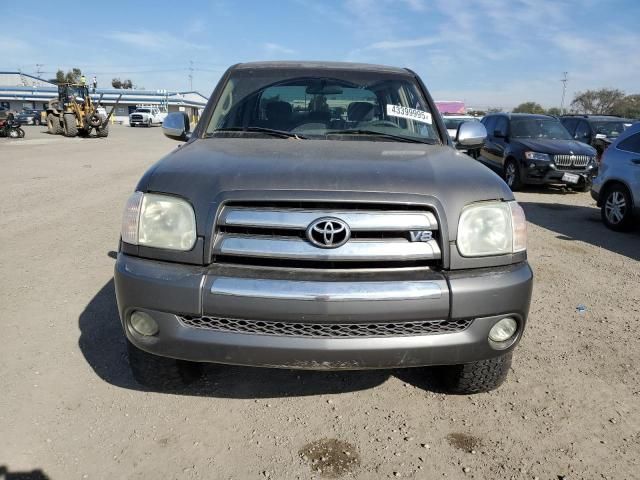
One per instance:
(320,65)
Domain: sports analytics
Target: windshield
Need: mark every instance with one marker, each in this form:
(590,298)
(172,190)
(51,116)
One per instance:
(454,123)
(539,128)
(323,104)
(610,129)
(142,110)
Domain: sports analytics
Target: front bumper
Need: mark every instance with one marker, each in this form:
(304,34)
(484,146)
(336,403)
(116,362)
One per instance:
(543,173)
(169,292)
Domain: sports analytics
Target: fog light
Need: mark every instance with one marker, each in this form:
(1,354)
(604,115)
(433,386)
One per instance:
(503,330)
(143,323)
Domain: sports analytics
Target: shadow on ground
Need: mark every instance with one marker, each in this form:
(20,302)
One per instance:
(103,345)
(38,474)
(573,222)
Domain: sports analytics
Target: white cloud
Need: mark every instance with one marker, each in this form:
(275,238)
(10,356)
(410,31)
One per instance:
(145,39)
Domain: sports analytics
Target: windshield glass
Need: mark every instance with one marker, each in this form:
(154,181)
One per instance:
(324,104)
(539,128)
(610,129)
(142,110)
(454,123)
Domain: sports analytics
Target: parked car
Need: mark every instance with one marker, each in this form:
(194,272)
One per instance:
(596,130)
(616,189)
(29,117)
(300,238)
(147,116)
(528,149)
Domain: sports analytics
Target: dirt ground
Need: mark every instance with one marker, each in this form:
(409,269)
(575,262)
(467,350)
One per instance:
(69,407)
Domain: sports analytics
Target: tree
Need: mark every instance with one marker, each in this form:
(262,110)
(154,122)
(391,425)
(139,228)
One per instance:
(124,84)
(597,102)
(72,76)
(628,107)
(529,107)
(555,111)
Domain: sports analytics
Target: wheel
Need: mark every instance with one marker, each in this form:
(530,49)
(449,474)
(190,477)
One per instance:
(512,175)
(161,373)
(103,130)
(475,377)
(617,208)
(70,126)
(14,133)
(149,123)
(20,132)
(36,121)
(53,124)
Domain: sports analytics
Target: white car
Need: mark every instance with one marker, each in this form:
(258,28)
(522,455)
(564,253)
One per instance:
(147,116)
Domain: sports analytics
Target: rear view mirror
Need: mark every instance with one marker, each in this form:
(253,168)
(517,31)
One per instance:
(322,88)
(471,135)
(177,126)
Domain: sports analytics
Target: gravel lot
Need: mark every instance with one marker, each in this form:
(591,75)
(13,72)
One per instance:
(69,407)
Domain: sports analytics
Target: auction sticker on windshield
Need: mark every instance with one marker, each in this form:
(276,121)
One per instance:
(410,113)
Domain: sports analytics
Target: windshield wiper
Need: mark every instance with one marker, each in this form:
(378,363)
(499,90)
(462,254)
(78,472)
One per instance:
(268,131)
(390,136)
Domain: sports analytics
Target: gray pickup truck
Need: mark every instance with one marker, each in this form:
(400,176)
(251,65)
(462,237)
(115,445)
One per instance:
(320,217)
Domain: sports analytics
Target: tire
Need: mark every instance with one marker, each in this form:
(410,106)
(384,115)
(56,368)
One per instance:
(14,133)
(70,126)
(475,377)
(161,373)
(617,208)
(149,124)
(512,175)
(20,132)
(103,131)
(36,122)
(53,124)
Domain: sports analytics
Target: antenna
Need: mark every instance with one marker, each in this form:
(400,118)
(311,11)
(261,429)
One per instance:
(190,74)
(564,91)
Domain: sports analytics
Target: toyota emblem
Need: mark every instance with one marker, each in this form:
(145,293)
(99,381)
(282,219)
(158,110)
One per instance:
(328,232)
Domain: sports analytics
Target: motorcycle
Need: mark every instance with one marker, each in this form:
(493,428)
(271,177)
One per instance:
(11,128)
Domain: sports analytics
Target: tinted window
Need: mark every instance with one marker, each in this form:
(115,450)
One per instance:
(631,144)
(539,128)
(610,129)
(569,124)
(502,125)
(582,131)
(489,124)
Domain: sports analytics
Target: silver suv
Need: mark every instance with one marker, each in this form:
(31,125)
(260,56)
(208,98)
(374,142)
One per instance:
(617,186)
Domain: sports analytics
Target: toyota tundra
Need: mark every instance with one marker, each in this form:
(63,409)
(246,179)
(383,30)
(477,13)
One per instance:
(319,216)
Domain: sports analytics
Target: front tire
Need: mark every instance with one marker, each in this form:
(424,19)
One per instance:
(103,130)
(475,377)
(53,124)
(512,175)
(617,208)
(161,373)
(70,126)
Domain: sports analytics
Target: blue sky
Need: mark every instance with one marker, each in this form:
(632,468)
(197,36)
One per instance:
(486,52)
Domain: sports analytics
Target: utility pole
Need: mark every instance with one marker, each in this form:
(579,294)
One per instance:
(39,71)
(564,91)
(190,74)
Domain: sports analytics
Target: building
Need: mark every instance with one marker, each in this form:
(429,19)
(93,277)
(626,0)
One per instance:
(19,90)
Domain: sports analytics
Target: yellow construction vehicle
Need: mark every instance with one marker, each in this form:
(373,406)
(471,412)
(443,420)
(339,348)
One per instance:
(73,113)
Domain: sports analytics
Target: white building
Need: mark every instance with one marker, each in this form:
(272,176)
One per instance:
(19,90)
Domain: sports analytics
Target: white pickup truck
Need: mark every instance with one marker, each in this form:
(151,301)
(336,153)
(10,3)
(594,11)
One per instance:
(147,116)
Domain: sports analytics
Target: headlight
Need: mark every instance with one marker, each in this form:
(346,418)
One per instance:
(537,156)
(492,228)
(159,221)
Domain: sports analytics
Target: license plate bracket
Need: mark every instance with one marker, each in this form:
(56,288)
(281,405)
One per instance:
(573,178)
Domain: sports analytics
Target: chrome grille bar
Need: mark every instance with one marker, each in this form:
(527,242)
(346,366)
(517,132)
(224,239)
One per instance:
(579,161)
(380,221)
(263,246)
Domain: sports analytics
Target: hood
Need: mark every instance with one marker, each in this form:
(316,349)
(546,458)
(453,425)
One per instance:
(546,145)
(336,170)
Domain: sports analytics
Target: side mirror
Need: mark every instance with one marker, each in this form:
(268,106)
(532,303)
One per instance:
(470,135)
(600,136)
(176,126)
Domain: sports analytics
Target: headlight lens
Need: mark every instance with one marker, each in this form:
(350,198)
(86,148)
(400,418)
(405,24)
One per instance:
(492,228)
(537,156)
(160,221)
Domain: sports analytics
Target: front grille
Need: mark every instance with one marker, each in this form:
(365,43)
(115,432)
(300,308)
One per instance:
(136,117)
(572,161)
(381,235)
(324,330)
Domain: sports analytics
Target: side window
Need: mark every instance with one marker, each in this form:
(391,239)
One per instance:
(502,125)
(631,144)
(582,131)
(569,124)
(490,124)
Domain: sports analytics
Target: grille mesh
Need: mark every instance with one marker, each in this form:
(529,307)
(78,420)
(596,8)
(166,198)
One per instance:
(575,161)
(263,327)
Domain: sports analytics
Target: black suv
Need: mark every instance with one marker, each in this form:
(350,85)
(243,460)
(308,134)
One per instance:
(536,149)
(596,130)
